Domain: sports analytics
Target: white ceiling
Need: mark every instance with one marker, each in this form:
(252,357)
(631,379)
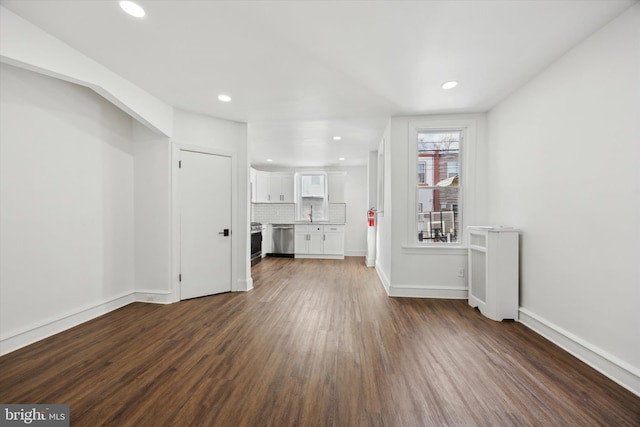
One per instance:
(301,72)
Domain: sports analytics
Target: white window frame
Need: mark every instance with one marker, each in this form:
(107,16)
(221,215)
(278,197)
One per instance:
(301,215)
(468,128)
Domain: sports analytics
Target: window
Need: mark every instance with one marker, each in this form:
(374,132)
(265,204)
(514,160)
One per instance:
(313,197)
(422,172)
(438,191)
(312,186)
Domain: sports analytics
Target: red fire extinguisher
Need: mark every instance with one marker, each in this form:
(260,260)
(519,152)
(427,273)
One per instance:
(371,217)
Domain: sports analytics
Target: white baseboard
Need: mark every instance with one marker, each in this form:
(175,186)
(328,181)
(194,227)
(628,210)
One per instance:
(617,370)
(383,278)
(39,331)
(245,285)
(355,253)
(47,328)
(44,329)
(305,256)
(154,297)
(423,291)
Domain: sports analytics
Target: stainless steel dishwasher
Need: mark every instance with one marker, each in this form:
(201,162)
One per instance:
(282,240)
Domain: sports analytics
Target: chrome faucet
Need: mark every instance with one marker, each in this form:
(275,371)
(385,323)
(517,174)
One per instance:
(311,213)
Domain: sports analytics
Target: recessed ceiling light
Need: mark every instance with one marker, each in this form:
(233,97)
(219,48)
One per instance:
(132,9)
(449,85)
(269,160)
(224,98)
(341,158)
(337,138)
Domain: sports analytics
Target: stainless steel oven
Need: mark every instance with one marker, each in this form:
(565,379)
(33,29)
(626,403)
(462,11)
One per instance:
(256,242)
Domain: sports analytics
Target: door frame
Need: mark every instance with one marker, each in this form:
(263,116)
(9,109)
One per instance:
(176,147)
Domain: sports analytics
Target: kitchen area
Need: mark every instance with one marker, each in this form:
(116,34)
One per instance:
(303,214)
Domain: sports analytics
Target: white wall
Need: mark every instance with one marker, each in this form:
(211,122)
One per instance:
(66,204)
(355,192)
(372,203)
(152,201)
(121,210)
(229,138)
(372,176)
(27,46)
(419,271)
(385,211)
(563,159)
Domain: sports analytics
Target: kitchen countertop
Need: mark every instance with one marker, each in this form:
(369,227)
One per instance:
(308,223)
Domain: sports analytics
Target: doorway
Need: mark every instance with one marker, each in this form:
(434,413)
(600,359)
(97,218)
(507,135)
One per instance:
(204,203)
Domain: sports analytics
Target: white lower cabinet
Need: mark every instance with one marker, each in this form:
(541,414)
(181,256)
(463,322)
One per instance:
(319,241)
(300,242)
(333,240)
(308,239)
(315,240)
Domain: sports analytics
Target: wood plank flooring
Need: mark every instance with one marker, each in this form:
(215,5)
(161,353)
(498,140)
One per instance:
(316,343)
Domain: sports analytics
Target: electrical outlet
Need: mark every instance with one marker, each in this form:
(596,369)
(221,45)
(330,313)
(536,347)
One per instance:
(461,272)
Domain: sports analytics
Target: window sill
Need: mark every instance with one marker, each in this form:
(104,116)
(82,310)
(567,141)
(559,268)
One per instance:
(453,249)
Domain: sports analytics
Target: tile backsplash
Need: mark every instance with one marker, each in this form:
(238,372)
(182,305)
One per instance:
(285,213)
(338,212)
(273,213)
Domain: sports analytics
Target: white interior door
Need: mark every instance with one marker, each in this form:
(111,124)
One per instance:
(204,191)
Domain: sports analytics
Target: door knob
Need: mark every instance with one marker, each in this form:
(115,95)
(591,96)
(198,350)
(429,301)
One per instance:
(225,232)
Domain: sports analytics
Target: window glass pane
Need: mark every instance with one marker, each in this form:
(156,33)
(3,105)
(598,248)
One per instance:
(312,185)
(452,169)
(422,169)
(437,186)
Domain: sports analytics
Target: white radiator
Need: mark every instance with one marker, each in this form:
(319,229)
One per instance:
(493,271)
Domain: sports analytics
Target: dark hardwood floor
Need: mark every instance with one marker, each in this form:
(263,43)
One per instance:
(317,342)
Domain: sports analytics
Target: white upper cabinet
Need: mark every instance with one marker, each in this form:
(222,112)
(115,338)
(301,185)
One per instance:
(281,188)
(262,187)
(288,193)
(336,187)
